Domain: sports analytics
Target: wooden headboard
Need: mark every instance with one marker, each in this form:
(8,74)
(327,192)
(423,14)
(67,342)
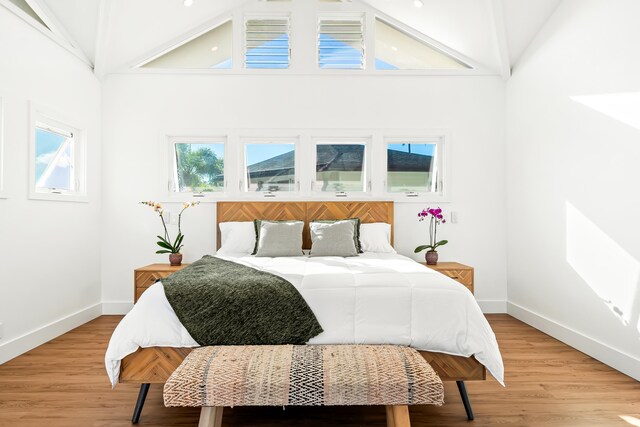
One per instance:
(304,211)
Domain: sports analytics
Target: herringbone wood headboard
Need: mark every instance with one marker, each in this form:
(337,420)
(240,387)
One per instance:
(304,211)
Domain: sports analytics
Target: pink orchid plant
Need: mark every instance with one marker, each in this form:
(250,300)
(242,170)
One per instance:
(435,218)
(167,245)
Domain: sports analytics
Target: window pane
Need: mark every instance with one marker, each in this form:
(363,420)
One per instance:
(411,167)
(267,43)
(396,50)
(340,44)
(339,167)
(54,160)
(200,167)
(270,167)
(210,50)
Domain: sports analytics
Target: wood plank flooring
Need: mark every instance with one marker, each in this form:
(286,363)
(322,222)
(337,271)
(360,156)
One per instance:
(63,383)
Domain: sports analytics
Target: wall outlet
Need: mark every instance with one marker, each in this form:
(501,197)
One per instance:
(167,217)
(454,217)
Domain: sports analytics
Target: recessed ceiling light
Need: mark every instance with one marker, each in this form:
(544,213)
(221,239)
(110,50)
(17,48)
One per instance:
(418,3)
(393,48)
(213,49)
(188,3)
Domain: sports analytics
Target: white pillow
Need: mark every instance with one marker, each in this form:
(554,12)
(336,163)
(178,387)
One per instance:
(237,237)
(376,237)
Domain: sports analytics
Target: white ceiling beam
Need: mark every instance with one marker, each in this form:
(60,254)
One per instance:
(102,38)
(51,21)
(37,25)
(499,27)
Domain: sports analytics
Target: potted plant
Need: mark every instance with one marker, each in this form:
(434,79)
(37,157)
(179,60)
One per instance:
(435,218)
(168,246)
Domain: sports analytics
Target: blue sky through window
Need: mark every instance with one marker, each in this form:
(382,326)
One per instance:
(381,65)
(424,149)
(47,144)
(227,64)
(257,153)
(334,53)
(271,54)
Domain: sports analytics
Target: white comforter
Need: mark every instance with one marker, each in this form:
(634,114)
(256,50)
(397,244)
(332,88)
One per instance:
(369,299)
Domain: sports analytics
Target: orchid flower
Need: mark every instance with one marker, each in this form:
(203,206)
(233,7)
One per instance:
(435,218)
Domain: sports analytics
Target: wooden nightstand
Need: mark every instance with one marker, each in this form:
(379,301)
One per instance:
(146,276)
(458,272)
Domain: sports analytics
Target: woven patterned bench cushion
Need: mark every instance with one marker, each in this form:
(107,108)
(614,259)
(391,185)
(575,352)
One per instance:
(303,375)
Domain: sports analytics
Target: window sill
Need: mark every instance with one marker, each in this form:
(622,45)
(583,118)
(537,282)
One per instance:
(296,196)
(77,198)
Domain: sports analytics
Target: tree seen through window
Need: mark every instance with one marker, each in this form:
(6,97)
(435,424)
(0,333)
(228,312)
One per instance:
(200,167)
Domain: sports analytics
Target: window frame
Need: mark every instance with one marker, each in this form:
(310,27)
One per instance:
(304,141)
(172,166)
(303,23)
(366,170)
(218,23)
(468,65)
(442,163)
(266,16)
(243,185)
(343,16)
(43,116)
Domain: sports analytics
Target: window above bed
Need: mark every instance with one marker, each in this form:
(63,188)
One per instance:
(270,166)
(397,50)
(209,50)
(196,165)
(341,166)
(261,37)
(341,42)
(413,166)
(266,43)
(290,164)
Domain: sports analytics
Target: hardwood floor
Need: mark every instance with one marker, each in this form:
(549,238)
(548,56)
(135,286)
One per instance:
(63,383)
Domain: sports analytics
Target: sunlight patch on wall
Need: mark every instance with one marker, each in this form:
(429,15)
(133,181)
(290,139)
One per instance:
(610,271)
(624,107)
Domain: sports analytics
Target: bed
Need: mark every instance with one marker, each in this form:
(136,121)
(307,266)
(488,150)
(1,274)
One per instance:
(372,298)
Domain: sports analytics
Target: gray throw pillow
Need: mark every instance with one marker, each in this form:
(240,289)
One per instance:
(356,229)
(333,239)
(280,239)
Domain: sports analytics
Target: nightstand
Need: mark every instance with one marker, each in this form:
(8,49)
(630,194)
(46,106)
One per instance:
(146,276)
(458,272)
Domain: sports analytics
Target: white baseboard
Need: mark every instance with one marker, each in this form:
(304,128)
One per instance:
(615,358)
(43,334)
(116,307)
(492,306)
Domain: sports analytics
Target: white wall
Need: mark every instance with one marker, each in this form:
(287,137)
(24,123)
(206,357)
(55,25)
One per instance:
(138,109)
(49,251)
(573,177)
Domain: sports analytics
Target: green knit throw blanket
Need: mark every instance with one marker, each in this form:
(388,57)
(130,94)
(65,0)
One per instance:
(225,303)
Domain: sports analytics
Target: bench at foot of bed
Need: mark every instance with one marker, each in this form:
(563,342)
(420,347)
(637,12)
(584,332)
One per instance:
(307,375)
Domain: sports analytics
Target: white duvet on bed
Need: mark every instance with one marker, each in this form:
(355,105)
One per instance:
(368,299)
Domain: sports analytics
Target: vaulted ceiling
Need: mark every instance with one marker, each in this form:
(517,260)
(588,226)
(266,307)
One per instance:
(114,33)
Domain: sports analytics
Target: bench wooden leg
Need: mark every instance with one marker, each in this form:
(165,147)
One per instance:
(211,416)
(398,416)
